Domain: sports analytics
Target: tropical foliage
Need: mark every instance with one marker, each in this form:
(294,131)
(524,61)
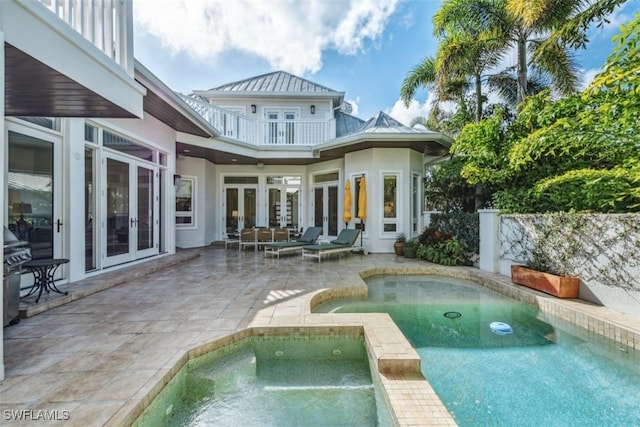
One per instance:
(577,152)
(580,153)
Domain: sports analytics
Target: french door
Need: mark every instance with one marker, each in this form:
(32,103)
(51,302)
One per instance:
(240,208)
(280,127)
(325,208)
(131,228)
(283,208)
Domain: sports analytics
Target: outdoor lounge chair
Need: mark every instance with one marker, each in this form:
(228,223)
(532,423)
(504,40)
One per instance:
(308,238)
(343,243)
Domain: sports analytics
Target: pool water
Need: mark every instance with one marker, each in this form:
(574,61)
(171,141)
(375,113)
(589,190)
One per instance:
(301,381)
(547,372)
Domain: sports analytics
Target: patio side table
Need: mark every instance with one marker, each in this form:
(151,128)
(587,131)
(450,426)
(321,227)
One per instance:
(43,272)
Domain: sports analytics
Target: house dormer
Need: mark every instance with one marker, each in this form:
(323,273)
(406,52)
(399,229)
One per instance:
(271,109)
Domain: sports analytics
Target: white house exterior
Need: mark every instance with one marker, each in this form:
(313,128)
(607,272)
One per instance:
(288,142)
(96,148)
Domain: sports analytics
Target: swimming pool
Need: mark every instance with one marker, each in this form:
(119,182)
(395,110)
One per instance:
(273,381)
(547,372)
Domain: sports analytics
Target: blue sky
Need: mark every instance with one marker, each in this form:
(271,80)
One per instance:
(362,47)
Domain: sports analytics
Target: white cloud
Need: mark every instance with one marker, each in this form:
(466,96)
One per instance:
(619,17)
(405,114)
(290,35)
(587,77)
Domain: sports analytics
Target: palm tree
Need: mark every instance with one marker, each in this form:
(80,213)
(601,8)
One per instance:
(467,48)
(545,34)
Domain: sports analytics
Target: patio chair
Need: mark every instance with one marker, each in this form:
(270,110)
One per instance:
(248,237)
(342,244)
(264,236)
(281,235)
(309,237)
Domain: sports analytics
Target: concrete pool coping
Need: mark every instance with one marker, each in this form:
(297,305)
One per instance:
(409,396)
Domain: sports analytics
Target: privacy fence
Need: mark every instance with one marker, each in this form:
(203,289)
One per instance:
(602,250)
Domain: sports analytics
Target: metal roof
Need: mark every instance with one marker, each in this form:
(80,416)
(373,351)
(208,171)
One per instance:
(279,82)
(347,124)
(384,123)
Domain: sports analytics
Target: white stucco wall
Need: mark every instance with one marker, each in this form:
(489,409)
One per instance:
(374,163)
(193,236)
(608,271)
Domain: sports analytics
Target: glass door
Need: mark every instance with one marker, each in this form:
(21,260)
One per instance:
(146,223)
(118,191)
(280,126)
(131,209)
(34,191)
(325,209)
(283,208)
(240,209)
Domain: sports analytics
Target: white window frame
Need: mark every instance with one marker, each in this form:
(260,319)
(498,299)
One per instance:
(397,220)
(192,212)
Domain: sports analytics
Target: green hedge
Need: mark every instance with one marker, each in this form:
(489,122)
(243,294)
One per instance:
(464,226)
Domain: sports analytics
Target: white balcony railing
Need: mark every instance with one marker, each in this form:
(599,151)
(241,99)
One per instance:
(228,123)
(264,132)
(108,24)
(297,132)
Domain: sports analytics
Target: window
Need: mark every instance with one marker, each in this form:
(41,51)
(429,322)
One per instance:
(390,203)
(125,145)
(327,177)
(240,179)
(185,201)
(416,209)
(360,225)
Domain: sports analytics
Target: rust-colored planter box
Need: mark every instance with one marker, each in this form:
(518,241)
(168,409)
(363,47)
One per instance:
(559,286)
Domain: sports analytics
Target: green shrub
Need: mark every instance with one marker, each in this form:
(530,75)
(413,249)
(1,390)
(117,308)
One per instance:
(451,252)
(464,226)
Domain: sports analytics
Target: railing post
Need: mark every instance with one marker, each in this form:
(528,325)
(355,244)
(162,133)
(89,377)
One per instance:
(489,240)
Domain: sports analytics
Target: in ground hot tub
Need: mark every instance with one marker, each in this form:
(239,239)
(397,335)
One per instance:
(283,380)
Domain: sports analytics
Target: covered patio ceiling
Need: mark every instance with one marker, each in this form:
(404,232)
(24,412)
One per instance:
(35,89)
(220,157)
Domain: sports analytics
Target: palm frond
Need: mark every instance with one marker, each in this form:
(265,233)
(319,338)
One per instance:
(557,62)
(422,75)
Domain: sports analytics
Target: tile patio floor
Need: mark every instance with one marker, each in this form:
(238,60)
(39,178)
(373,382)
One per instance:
(97,354)
(93,354)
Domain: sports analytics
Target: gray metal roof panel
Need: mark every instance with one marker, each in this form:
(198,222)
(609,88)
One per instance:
(347,124)
(278,81)
(382,122)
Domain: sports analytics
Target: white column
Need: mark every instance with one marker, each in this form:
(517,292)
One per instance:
(73,203)
(489,241)
(426,218)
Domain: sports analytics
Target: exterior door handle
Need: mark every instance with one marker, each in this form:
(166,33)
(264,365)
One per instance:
(58,224)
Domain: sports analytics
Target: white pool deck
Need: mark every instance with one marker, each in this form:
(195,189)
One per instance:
(101,354)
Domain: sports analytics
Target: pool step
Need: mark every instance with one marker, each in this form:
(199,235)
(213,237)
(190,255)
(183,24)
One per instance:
(317,387)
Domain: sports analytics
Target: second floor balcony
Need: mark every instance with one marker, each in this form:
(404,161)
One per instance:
(263,132)
(107,24)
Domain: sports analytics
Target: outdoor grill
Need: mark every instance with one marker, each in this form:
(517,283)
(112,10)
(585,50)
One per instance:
(16,253)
